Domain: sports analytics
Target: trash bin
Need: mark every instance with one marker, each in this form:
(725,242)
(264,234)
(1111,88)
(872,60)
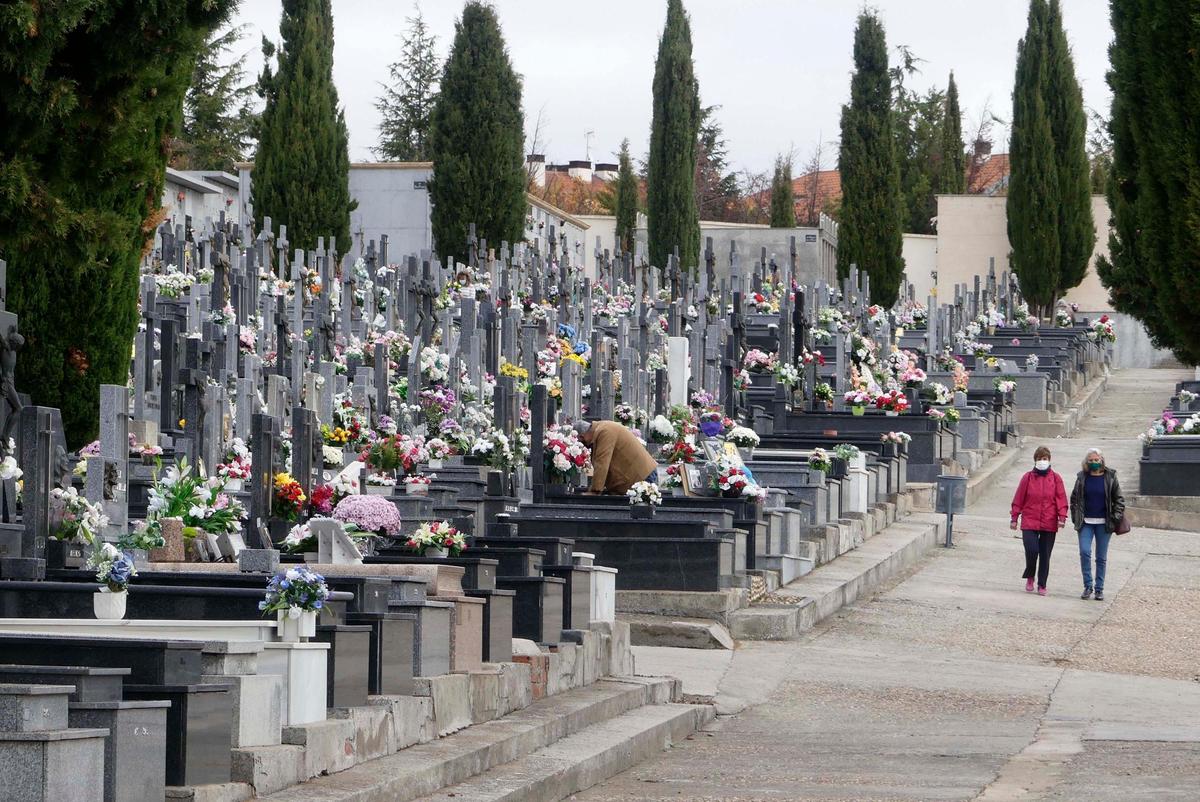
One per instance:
(951,498)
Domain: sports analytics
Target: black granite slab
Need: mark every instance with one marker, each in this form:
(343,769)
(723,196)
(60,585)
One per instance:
(349,669)
(537,607)
(199,731)
(497,623)
(392,651)
(151,662)
(91,684)
(135,751)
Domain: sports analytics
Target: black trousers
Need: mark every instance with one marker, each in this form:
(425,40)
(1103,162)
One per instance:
(1038,546)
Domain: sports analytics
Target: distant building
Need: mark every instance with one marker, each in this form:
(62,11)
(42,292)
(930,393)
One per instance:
(197,195)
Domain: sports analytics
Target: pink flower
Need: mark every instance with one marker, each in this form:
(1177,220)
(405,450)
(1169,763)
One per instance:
(1016,340)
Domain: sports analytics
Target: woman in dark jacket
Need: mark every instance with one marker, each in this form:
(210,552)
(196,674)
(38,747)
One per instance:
(1096,508)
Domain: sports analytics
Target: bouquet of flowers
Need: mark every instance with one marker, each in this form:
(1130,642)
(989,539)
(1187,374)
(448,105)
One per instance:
(742,437)
(711,423)
(381,480)
(299,540)
(937,393)
(757,361)
(1062,318)
(898,438)
(113,567)
(857,398)
(823,392)
(397,452)
(331,457)
(829,316)
(644,493)
(628,415)
(892,401)
(991,317)
(373,514)
(295,591)
(79,520)
(201,503)
(418,479)
(321,499)
(494,448)
(732,480)
(912,376)
(820,460)
(702,399)
(288,500)
(437,535)
(565,455)
(1103,331)
(949,414)
(876,314)
(1031,362)
(1005,385)
(681,450)
(434,365)
(438,449)
(661,429)
(741,381)
(980,350)
(142,537)
(846,451)
(788,375)
(437,402)
(1185,397)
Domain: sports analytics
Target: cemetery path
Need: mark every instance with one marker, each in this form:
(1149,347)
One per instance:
(955,684)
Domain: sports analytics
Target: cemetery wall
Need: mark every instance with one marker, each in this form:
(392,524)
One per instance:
(920,262)
(393,200)
(199,195)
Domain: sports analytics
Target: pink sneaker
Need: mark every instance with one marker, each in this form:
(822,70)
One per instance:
(1029,586)
(1041,591)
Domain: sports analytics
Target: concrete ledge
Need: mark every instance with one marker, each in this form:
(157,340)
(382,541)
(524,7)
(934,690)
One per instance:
(425,768)
(683,604)
(653,630)
(1181,513)
(223,792)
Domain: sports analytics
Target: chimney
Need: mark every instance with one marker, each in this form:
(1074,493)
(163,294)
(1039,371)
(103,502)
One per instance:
(606,172)
(580,170)
(536,164)
(982,150)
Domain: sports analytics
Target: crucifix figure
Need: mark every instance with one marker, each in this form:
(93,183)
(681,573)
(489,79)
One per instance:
(10,344)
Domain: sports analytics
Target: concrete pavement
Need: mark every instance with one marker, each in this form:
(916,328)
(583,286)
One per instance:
(954,684)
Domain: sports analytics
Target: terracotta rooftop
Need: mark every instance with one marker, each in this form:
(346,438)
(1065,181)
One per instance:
(988,176)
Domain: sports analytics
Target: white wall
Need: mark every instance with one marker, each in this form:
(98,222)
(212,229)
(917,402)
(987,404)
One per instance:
(920,261)
(392,199)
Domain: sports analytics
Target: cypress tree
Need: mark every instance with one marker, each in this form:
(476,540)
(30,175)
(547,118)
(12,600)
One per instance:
(1068,127)
(671,215)
(476,139)
(1154,185)
(952,172)
(91,95)
(406,105)
(302,168)
(626,199)
(869,234)
(783,201)
(1033,202)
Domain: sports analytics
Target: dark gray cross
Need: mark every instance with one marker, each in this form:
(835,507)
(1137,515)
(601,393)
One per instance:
(264,440)
(538,411)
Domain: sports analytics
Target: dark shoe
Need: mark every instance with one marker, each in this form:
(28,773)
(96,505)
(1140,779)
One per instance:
(1087,593)
(1099,595)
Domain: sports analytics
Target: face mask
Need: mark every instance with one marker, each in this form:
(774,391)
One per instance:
(1042,465)
(1095,466)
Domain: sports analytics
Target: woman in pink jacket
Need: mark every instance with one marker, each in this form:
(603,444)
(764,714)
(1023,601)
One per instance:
(1040,505)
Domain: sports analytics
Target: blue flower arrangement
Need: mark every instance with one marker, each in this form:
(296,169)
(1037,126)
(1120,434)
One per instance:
(297,590)
(113,567)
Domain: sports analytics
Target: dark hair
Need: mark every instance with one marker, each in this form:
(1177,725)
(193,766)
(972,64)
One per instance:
(1041,453)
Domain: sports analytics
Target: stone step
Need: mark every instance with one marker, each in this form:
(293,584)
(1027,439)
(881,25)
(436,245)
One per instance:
(788,567)
(829,588)
(583,760)
(429,767)
(683,633)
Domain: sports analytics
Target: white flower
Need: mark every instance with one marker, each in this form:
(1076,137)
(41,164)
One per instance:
(9,469)
(292,574)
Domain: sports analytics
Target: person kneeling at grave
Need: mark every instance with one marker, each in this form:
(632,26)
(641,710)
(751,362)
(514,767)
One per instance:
(619,460)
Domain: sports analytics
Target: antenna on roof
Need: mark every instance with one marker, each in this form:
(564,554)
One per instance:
(587,144)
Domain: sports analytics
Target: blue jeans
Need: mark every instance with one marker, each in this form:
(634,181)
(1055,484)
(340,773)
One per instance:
(1100,533)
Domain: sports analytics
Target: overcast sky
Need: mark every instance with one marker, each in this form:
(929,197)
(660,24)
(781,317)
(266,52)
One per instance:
(779,69)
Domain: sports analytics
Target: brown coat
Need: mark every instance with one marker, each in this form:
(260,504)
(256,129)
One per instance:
(618,459)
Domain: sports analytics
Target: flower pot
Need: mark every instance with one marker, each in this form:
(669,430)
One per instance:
(172,551)
(641,512)
(891,413)
(312,557)
(711,428)
(436,552)
(109,606)
(416,489)
(746,453)
(436,464)
(991,331)
(378,490)
(294,628)
(233,485)
(141,558)
(858,411)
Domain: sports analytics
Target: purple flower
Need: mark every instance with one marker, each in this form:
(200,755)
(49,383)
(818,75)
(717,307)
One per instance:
(369,513)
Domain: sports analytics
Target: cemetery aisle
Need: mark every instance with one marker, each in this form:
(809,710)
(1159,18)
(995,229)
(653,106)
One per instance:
(956,684)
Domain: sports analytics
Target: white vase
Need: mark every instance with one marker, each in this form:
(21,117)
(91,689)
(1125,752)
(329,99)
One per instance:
(292,630)
(416,489)
(435,551)
(378,490)
(233,485)
(109,606)
(891,413)
(435,464)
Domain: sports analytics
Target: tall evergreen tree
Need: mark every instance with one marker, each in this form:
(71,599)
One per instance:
(783,200)
(476,138)
(1033,189)
(407,103)
(952,169)
(1068,127)
(626,199)
(1154,184)
(717,190)
(219,120)
(302,168)
(671,214)
(917,121)
(869,234)
(83,149)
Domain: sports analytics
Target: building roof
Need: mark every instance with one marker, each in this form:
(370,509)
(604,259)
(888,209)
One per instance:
(556,212)
(988,176)
(192,181)
(825,185)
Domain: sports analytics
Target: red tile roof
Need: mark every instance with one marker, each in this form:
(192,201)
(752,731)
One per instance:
(989,176)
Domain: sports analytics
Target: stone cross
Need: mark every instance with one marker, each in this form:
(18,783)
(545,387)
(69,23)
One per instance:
(264,436)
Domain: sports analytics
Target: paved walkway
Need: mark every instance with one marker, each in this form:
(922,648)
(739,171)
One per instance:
(954,684)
